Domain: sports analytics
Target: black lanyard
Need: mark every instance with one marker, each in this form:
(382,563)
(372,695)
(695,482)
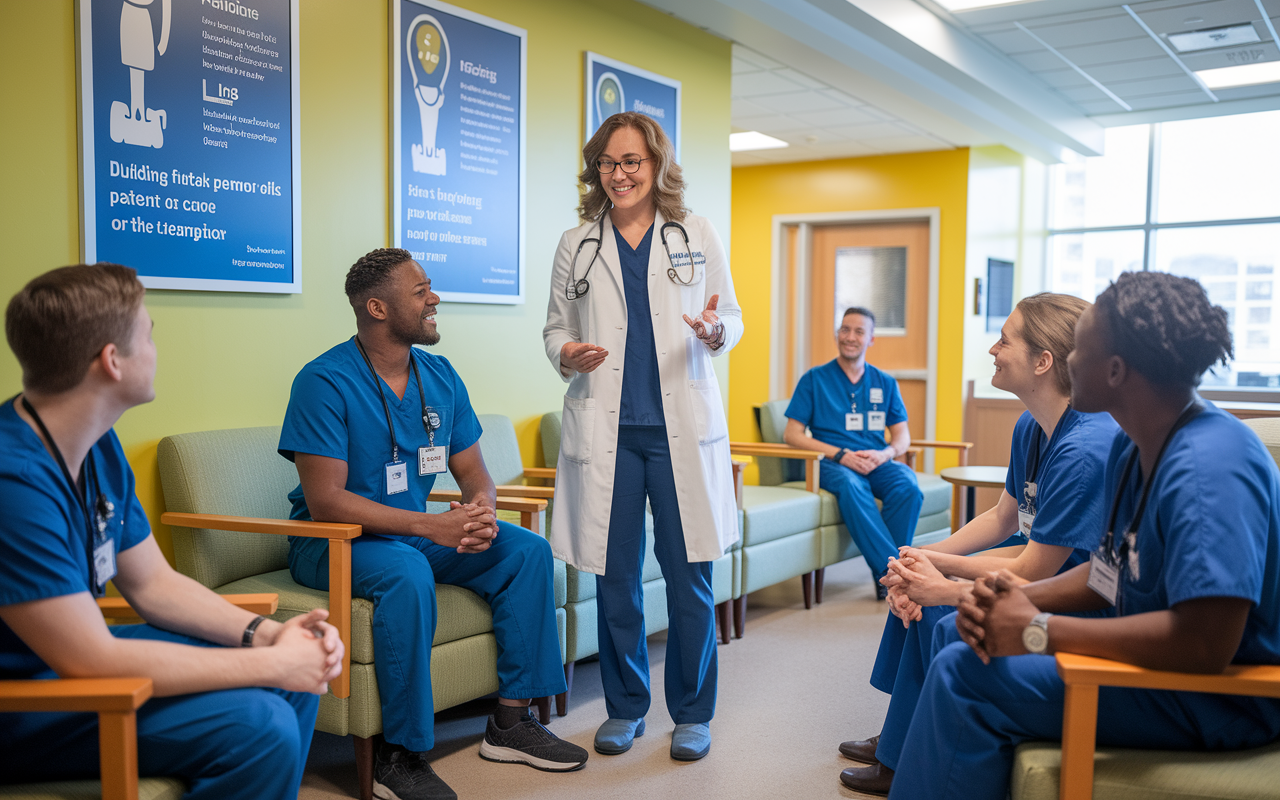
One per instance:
(430,422)
(1189,413)
(1033,460)
(97,524)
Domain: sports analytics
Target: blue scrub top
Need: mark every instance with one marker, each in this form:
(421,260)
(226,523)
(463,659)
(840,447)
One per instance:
(1211,527)
(44,537)
(1070,504)
(825,394)
(641,389)
(335,411)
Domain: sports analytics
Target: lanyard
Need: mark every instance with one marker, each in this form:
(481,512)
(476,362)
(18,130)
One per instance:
(1029,483)
(430,421)
(104,508)
(1188,414)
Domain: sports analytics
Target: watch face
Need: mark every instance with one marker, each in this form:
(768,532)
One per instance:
(1035,638)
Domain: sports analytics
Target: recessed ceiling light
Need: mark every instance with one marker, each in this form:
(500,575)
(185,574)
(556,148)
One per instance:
(968,5)
(1214,37)
(1242,75)
(753,140)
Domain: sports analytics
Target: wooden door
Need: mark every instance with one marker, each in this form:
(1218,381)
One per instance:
(901,345)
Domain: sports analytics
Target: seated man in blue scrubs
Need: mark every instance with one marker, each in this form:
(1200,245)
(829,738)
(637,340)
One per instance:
(72,522)
(1184,578)
(370,424)
(1049,519)
(848,405)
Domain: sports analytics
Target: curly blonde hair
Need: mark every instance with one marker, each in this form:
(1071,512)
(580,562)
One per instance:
(668,178)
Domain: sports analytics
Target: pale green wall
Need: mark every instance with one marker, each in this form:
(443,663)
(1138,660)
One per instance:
(227,360)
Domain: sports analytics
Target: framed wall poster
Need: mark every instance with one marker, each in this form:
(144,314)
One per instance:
(458,149)
(612,86)
(190,141)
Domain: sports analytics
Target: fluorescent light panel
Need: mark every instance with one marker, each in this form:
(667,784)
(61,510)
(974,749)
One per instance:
(753,140)
(967,5)
(1242,75)
(1192,41)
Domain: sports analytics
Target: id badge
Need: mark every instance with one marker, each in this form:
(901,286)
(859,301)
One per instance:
(1135,566)
(397,478)
(875,420)
(432,460)
(876,395)
(853,422)
(1025,520)
(104,562)
(1104,577)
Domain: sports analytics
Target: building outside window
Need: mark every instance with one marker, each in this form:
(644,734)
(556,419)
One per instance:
(1199,198)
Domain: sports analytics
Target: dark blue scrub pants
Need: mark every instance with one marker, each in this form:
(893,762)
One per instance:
(878,533)
(235,744)
(971,717)
(399,575)
(900,668)
(643,467)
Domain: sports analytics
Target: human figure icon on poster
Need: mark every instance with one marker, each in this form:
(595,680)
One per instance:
(428,52)
(135,123)
(609,98)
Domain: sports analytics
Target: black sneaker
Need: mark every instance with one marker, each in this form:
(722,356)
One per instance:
(400,774)
(528,742)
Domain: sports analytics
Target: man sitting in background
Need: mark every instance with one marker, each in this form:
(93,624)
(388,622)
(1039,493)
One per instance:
(848,405)
(72,522)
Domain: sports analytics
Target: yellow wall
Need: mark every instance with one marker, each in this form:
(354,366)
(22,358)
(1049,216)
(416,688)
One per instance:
(915,180)
(227,360)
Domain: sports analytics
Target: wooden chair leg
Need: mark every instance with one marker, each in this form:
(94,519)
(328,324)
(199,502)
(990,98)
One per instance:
(364,765)
(806,583)
(562,699)
(722,622)
(740,617)
(543,704)
(818,576)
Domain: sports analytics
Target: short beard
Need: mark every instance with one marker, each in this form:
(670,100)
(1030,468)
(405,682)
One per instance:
(411,336)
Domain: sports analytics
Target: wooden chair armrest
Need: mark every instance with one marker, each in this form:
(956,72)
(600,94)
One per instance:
(282,527)
(542,492)
(264,603)
(75,694)
(775,450)
(1084,674)
(933,443)
(544,473)
(116,701)
(530,508)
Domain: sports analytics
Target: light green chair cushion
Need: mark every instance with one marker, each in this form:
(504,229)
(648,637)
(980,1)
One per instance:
(778,560)
(1122,774)
(148,789)
(776,512)
(501,450)
(936,498)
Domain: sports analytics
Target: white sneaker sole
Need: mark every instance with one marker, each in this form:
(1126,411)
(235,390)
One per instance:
(508,755)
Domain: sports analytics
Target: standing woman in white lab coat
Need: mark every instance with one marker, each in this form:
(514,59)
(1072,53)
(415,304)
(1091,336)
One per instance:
(641,301)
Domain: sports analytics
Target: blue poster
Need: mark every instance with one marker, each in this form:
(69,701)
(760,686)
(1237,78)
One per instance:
(613,86)
(458,84)
(189,114)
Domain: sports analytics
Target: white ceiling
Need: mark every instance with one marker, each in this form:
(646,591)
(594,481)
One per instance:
(838,78)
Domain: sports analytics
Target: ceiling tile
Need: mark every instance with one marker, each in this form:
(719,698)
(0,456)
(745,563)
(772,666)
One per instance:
(742,107)
(844,97)
(765,124)
(1105,27)
(796,102)
(756,83)
(802,79)
(905,144)
(741,65)
(752,57)
(880,130)
(841,116)
(1089,55)
(1161,67)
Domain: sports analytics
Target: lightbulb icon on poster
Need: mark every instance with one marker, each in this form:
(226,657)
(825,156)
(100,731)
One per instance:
(428,51)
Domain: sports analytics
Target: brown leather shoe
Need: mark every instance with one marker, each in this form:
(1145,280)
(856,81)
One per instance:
(875,779)
(863,750)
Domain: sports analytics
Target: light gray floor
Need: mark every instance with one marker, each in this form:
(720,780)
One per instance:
(789,693)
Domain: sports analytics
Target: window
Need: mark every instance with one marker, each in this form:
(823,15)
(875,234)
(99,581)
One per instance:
(1199,198)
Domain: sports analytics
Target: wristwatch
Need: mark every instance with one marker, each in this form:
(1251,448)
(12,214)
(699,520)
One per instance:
(1035,637)
(839,455)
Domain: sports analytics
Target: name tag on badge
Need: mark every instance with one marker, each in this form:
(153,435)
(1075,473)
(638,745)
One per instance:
(1104,577)
(853,422)
(104,562)
(1025,520)
(432,460)
(876,395)
(397,478)
(875,420)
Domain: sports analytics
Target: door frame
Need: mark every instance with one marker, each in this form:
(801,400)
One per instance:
(792,312)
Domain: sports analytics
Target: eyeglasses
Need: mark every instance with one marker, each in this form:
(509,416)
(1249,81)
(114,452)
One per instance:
(629,165)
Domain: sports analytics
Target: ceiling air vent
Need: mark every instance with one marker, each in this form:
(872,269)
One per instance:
(1192,41)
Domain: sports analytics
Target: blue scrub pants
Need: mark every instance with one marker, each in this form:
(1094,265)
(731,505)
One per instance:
(643,467)
(900,668)
(399,575)
(878,533)
(235,744)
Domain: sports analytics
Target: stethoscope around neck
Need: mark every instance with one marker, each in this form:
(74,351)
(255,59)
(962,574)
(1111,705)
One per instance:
(577,287)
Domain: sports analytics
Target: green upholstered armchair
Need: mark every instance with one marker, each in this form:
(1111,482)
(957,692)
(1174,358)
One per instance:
(227,498)
(937,512)
(116,702)
(1075,770)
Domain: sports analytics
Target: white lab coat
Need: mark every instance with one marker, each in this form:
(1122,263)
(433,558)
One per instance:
(696,428)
